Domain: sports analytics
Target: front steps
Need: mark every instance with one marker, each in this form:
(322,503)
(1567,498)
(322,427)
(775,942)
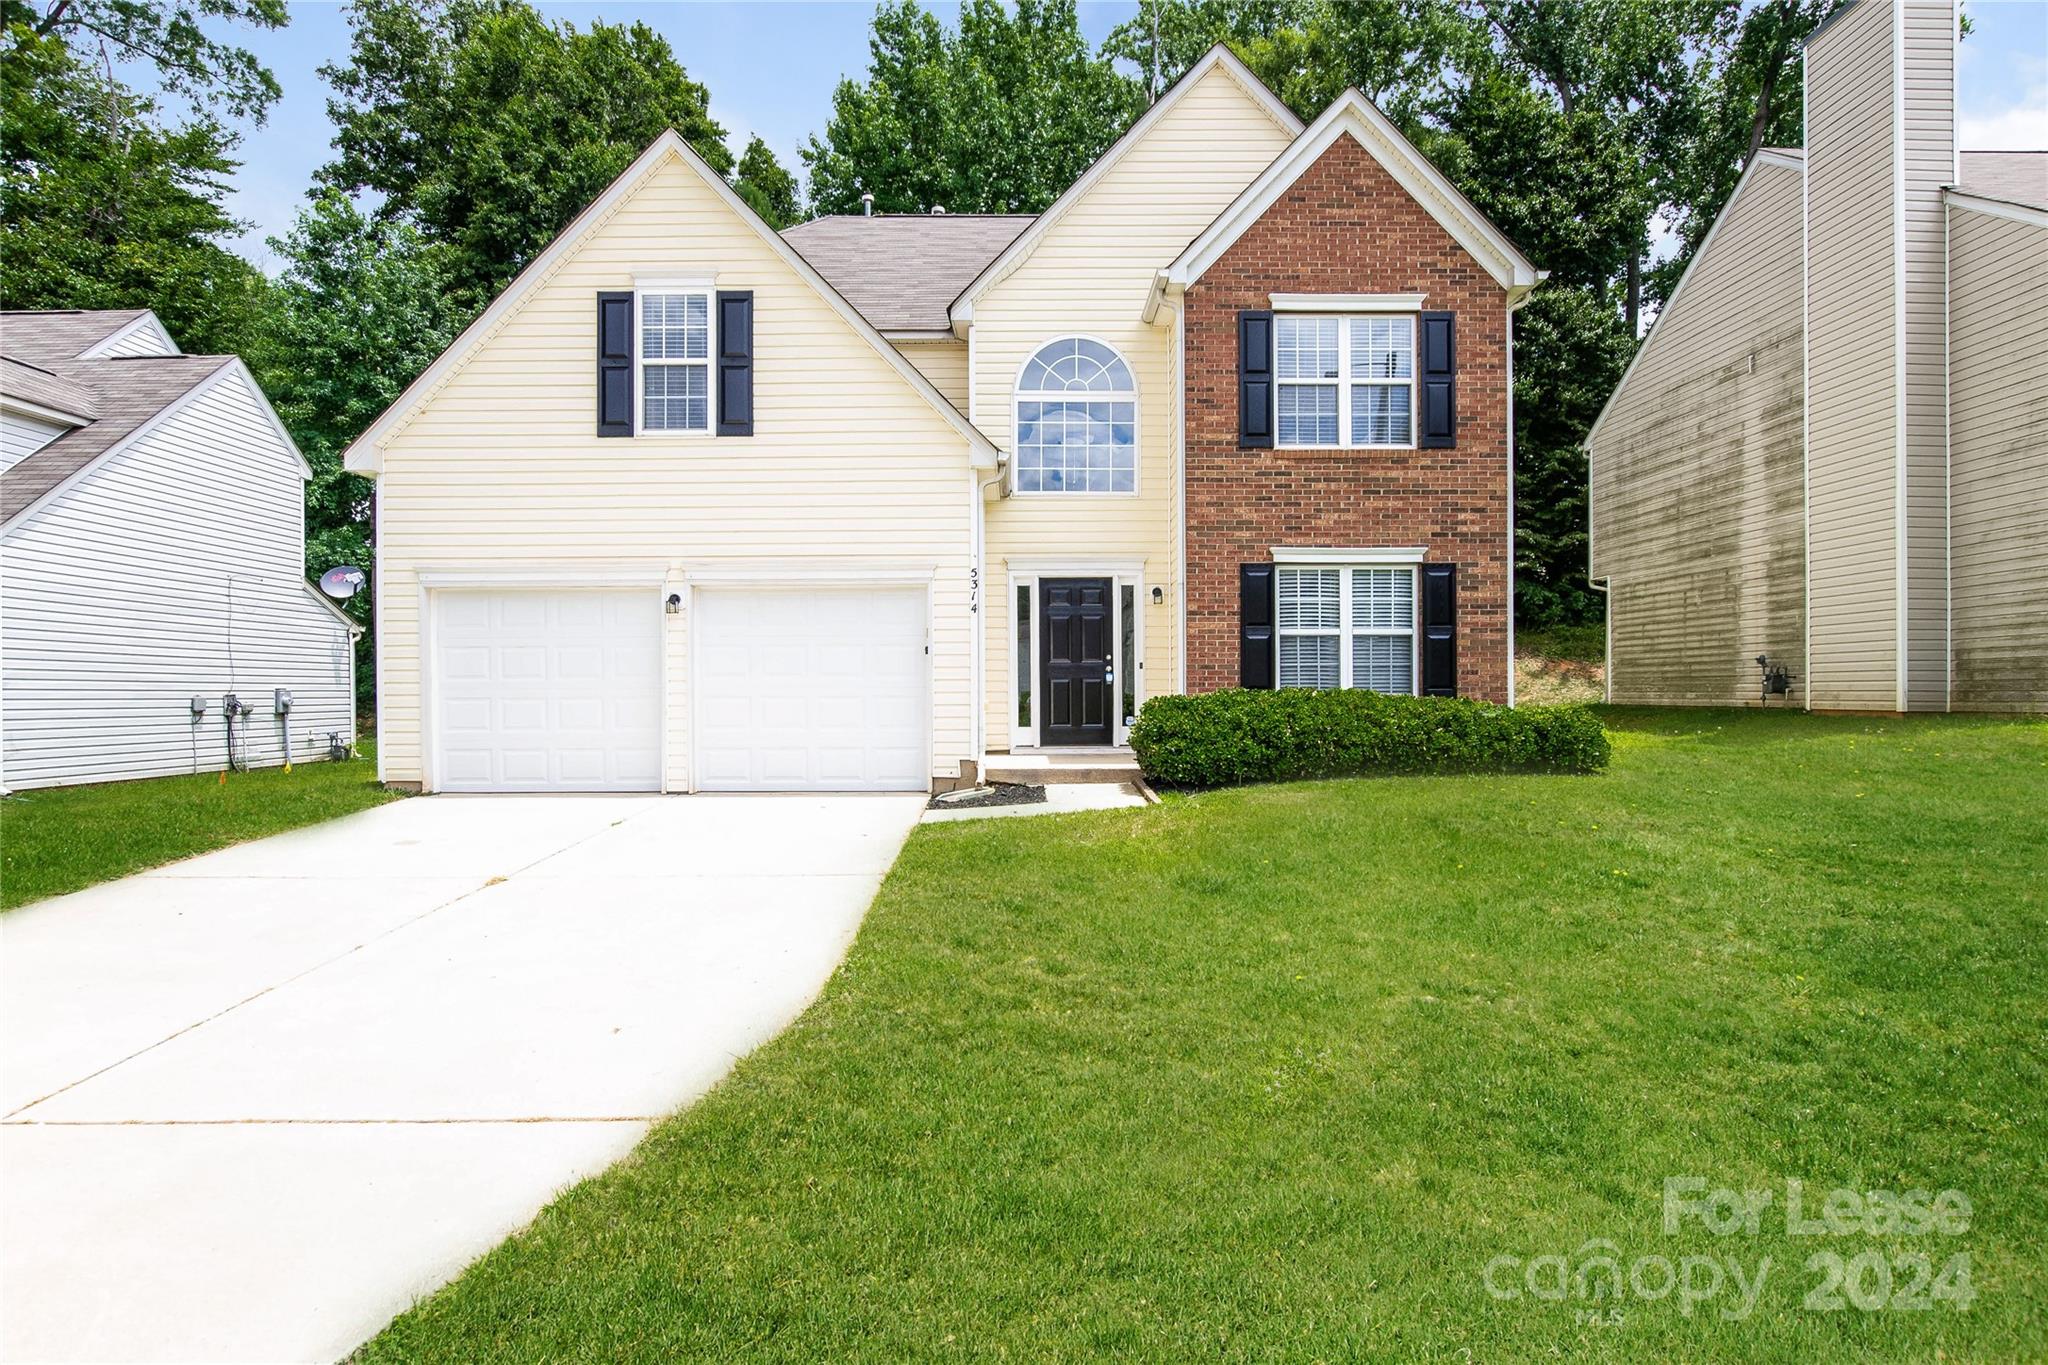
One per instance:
(1045,767)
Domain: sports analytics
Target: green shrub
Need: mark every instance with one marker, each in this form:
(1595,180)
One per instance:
(1222,739)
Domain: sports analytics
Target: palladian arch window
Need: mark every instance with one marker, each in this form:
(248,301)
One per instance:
(1077,409)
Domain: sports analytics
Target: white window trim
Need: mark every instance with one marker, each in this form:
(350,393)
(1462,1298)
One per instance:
(642,287)
(1368,557)
(1027,572)
(1345,630)
(1346,382)
(1348,303)
(1018,393)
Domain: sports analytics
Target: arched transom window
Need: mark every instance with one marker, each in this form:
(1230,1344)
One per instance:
(1077,412)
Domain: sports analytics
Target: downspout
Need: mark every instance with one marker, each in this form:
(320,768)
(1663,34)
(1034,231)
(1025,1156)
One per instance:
(982,597)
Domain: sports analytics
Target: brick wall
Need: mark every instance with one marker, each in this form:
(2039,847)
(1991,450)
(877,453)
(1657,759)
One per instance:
(1347,227)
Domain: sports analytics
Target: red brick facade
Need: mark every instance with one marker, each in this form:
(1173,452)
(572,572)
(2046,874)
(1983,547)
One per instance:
(1346,227)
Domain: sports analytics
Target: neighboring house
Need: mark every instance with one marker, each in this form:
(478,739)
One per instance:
(151,561)
(694,506)
(1832,449)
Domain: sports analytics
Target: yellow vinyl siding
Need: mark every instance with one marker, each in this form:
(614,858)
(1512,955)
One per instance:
(1998,396)
(1089,276)
(1696,470)
(849,469)
(944,363)
(1852,357)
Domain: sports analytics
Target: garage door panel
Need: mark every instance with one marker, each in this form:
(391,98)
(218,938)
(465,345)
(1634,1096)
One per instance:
(547,690)
(821,689)
(520,611)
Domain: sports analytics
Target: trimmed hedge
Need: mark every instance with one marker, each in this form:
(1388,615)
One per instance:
(1220,739)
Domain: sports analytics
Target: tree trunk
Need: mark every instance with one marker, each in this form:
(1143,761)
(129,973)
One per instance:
(1760,124)
(1635,292)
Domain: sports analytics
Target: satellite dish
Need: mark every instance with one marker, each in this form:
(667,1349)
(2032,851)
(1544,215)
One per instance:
(343,581)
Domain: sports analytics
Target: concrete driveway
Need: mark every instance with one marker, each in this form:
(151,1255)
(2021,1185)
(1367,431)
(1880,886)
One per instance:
(256,1103)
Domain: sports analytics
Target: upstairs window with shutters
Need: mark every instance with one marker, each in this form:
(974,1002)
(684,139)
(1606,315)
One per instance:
(675,361)
(1349,626)
(1345,381)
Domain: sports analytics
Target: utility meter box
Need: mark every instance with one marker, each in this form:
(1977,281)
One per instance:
(281,701)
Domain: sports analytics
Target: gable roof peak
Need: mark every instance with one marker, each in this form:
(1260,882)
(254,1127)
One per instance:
(1218,58)
(1353,114)
(364,454)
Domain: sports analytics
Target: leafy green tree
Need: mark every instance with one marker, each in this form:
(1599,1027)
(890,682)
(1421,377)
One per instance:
(1751,97)
(102,207)
(1307,51)
(997,116)
(359,309)
(171,37)
(490,128)
(769,189)
(1571,347)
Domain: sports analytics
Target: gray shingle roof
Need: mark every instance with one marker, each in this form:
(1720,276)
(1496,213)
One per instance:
(40,338)
(38,355)
(903,271)
(32,384)
(2021,177)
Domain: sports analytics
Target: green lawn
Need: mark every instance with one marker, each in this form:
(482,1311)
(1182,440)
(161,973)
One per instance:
(59,839)
(1277,1073)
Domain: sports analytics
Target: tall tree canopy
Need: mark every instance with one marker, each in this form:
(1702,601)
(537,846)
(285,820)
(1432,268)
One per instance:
(768,186)
(101,206)
(489,128)
(172,38)
(999,115)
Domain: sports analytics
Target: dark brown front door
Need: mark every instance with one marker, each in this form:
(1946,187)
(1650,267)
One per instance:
(1079,686)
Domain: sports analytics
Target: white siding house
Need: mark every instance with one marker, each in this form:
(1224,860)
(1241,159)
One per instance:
(151,560)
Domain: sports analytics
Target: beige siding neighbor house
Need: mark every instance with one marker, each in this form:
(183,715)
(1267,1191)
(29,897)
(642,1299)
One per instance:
(885,501)
(1831,449)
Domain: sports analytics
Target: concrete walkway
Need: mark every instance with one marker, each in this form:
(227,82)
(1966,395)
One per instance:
(256,1103)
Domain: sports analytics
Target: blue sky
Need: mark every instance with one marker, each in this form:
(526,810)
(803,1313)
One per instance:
(2003,79)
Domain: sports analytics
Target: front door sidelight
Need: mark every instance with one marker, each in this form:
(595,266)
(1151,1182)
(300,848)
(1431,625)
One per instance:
(1077,649)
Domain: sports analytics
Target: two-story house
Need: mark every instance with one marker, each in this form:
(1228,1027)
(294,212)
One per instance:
(697,506)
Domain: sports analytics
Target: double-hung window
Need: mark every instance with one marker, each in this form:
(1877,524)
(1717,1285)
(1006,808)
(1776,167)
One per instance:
(675,361)
(1345,381)
(1347,626)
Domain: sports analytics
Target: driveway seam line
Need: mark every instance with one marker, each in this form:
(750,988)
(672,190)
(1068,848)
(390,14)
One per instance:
(486,885)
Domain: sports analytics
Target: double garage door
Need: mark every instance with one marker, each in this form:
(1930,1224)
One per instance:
(800,690)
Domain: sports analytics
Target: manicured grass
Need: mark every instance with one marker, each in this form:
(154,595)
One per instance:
(58,839)
(1275,1074)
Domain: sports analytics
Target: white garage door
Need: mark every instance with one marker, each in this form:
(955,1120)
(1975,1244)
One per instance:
(547,691)
(822,689)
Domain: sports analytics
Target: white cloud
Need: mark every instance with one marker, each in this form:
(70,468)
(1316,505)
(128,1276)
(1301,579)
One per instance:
(2018,127)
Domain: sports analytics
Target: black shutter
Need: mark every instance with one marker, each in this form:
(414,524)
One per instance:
(1439,630)
(1255,378)
(736,363)
(1439,373)
(1255,625)
(615,364)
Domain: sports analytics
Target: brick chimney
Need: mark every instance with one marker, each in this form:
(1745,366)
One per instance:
(1880,144)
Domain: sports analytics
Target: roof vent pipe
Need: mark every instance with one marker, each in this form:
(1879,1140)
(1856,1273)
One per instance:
(867,204)
(938,210)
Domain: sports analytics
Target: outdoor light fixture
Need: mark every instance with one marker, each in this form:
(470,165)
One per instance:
(674,603)
(1158,595)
